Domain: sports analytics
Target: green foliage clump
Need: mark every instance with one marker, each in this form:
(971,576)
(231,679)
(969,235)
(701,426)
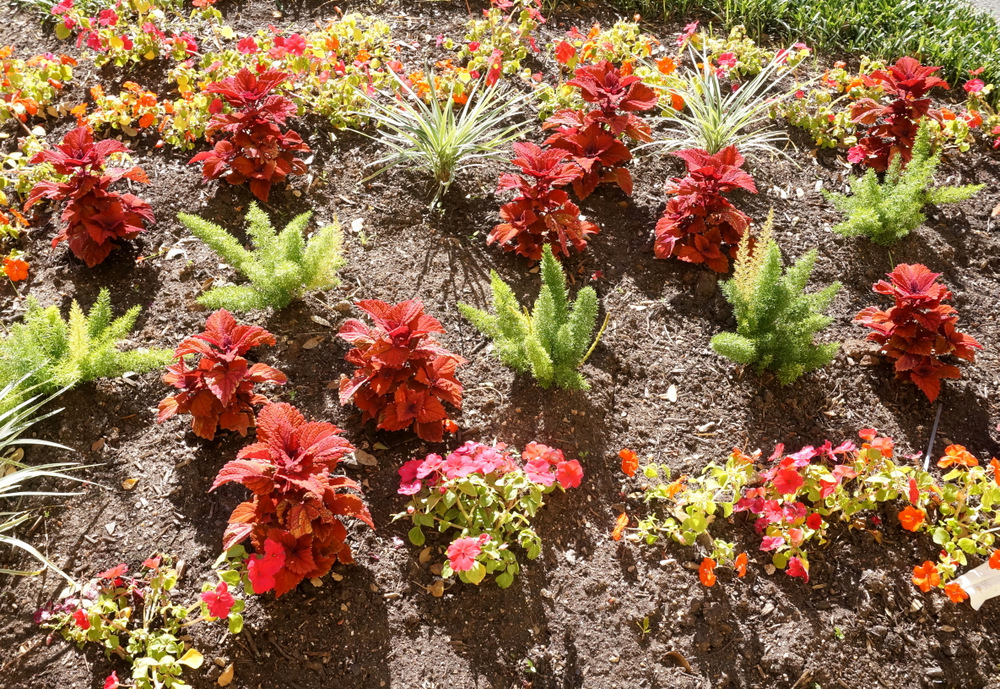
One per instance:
(46,353)
(888,211)
(776,319)
(552,341)
(281,267)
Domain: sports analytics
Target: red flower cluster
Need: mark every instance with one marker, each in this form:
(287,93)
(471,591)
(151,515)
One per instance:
(219,390)
(592,138)
(698,219)
(403,374)
(543,465)
(94,217)
(919,329)
(256,148)
(893,126)
(542,213)
(294,515)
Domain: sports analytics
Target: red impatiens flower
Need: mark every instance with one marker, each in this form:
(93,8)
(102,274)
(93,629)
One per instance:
(995,559)
(926,576)
(261,569)
(111,681)
(787,481)
(741,565)
(919,329)
(569,473)
(403,375)
(797,569)
(219,601)
(914,492)
(462,553)
(911,518)
(218,391)
(955,592)
(699,225)
(114,572)
(706,572)
(630,461)
(814,520)
(15,268)
(80,620)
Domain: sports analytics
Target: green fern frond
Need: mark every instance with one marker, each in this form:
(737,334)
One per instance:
(551,341)
(281,267)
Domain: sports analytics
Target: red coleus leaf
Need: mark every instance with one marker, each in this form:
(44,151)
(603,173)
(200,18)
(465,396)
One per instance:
(919,330)
(94,217)
(219,390)
(255,148)
(699,225)
(403,376)
(294,513)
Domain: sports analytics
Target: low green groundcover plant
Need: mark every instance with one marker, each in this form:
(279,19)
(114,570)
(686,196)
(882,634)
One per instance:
(133,618)
(887,211)
(489,498)
(553,340)
(776,319)
(282,267)
(47,353)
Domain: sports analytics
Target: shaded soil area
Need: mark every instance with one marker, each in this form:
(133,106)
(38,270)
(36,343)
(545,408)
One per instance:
(573,618)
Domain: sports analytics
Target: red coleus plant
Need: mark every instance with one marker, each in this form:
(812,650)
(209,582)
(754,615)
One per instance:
(294,515)
(699,225)
(219,390)
(919,329)
(542,213)
(403,376)
(94,217)
(255,147)
(893,126)
(592,138)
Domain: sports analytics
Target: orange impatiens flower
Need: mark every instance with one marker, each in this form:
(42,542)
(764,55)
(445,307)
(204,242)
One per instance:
(926,576)
(741,565)
(675,487)
(957,455)
(995,560)
(706,572)
(995,463)
(630,461)
(15,269)
(620,527)
(911,518)
(666,65)
(955,592)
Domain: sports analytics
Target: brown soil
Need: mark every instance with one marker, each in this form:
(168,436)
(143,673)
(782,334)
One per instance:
(572,618)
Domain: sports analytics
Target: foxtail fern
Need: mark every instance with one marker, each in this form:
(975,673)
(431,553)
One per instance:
(553,340)
(776,319)
(281,267)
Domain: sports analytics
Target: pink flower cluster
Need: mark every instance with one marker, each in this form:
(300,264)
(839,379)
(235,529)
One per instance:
(543,465)
(462,552)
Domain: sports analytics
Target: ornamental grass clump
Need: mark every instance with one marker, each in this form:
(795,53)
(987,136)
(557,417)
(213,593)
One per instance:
(282,267)
(553,340)
(919,329)
(218,392)
(888,211)
(428,134)
(46,352)
(776,319)
(488,497)
(403,376)
(294,517)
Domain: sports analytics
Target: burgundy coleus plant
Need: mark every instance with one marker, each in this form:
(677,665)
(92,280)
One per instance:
(94,218)
(593,138)
(699,224)
(919,329)
(294,517)
(403,376)
(254,147)
(218,392)
(542,212)
(892,127)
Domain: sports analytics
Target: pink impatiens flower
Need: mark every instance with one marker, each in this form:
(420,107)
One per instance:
(974,85)
(462,553)
(219,601)
(247,45)
(569,474)
(771,543)
(795,569)
(538,471)
(261,570)
(856,155)
(111,681)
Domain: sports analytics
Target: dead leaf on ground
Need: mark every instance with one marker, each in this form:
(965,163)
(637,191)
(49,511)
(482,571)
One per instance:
(226,678)
(366,458)
(129,483)
(436,589)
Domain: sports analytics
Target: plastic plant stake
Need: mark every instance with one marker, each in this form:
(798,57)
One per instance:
(981,583)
